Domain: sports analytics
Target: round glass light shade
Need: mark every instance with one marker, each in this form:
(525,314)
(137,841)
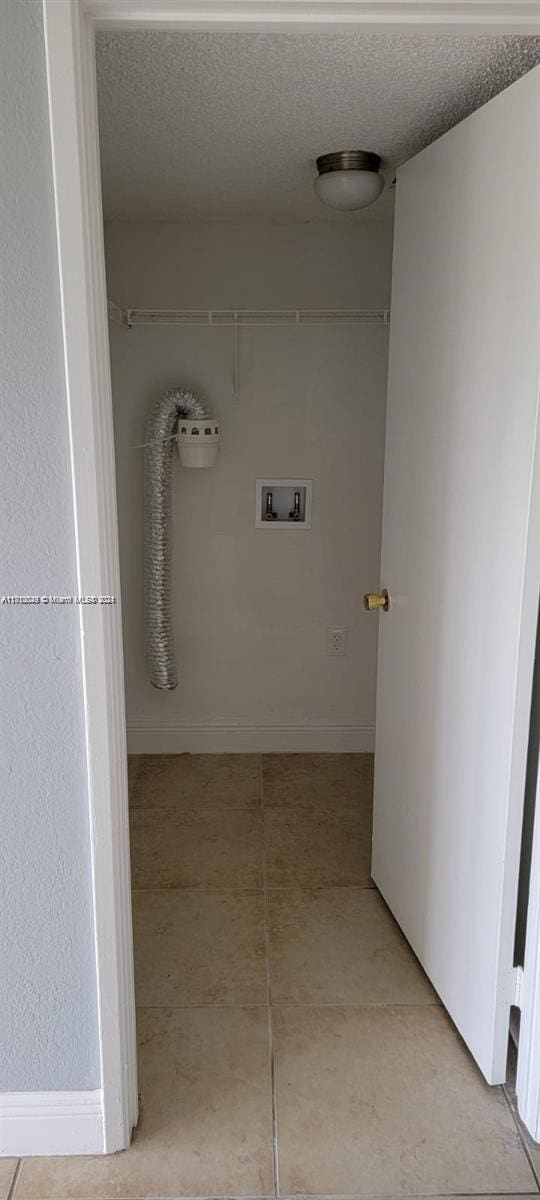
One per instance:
(348,190)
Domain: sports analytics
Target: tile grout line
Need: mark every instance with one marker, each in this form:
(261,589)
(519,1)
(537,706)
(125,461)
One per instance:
(356,1007)
(406,1196)
(250,891)
(521,1136)
(15,1180)
(275,1158)
(335,1196)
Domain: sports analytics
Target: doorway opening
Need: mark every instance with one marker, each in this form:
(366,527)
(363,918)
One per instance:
(237,228)
(277,995)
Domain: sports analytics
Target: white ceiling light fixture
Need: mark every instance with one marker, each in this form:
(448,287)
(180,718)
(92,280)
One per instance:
(348,179)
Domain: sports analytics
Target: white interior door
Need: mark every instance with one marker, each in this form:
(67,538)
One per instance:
(460,557)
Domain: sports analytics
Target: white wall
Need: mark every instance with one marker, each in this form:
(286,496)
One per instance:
(251,607)
(47,976)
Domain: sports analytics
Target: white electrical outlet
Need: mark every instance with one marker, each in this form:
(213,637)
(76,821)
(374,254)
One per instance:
(336,642)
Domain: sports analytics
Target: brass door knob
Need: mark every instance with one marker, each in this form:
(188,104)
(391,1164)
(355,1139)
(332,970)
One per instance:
(377,600)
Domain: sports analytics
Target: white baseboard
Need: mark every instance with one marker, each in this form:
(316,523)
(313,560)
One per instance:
(145,737)
(51,1123)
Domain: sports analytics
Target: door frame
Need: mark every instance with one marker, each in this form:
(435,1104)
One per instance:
(70,56)
(528,1066)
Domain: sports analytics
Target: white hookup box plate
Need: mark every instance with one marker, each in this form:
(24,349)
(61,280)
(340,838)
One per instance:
(283,503)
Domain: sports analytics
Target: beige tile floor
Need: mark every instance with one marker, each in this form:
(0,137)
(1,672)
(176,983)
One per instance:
(8,1167)
(289,1042)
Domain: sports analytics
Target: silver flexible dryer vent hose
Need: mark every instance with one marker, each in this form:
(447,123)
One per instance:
(160,431)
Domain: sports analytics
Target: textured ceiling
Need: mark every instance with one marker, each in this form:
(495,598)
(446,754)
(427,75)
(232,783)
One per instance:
(226,126)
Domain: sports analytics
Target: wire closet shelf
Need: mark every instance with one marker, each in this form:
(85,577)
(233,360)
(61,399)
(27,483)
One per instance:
(130,317)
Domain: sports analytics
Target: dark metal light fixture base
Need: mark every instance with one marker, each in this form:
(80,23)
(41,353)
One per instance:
(348,160)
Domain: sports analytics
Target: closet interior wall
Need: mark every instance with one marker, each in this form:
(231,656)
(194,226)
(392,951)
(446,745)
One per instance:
(251,607)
